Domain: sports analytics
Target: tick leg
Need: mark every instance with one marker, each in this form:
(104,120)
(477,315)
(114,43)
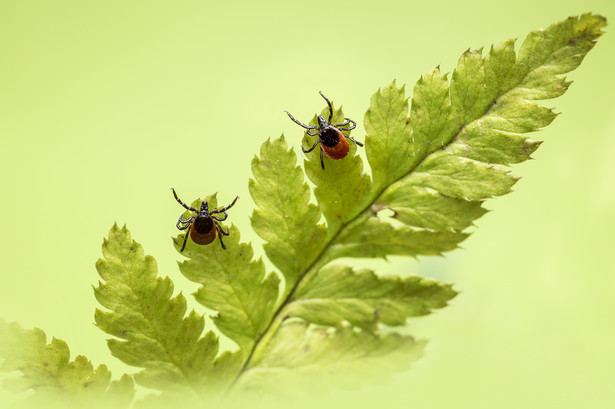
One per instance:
(184,245)
(312,134)
(219,218)
(348,121)
(311,149)
(322,163)
(357,142)
(186,222)
(182,203)
(217,212)
(221,233)
(221,242)
(224,209)
(299,123)
(330,107)
(226,233)
(338,126)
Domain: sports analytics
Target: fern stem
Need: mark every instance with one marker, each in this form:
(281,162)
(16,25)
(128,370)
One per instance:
(278,318)
(320,260)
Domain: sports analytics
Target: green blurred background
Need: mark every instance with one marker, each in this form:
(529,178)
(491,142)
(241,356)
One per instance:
(107,104)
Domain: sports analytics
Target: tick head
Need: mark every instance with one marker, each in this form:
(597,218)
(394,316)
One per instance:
(204,209)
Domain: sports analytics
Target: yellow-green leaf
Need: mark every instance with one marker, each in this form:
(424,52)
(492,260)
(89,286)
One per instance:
(150,327)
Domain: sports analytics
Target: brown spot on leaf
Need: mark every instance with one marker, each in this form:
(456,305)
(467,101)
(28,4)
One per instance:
(375,208)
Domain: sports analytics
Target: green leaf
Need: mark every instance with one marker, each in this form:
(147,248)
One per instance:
(491,101)
(153,329)
(47,369)
(433,169)
(388,146)
(430,210)
(232,284)
(461,178)
(339,295)
(432,120)
(319,357)
(342,185)
(284,218)
(370,236)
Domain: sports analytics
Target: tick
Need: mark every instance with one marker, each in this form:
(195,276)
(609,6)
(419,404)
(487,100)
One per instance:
(333,142)
(203,225)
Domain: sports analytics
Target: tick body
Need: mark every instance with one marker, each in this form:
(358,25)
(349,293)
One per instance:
(204,225)
(203,230)
(333,142)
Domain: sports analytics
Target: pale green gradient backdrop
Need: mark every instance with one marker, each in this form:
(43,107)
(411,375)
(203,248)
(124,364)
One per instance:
(107,104)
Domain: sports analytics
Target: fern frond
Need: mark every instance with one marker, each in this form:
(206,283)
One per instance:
(150,327)
(47,369)
(433,169)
